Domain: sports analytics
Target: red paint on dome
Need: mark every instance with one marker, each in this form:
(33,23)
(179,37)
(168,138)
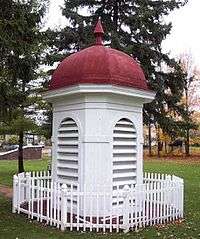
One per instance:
(98,65)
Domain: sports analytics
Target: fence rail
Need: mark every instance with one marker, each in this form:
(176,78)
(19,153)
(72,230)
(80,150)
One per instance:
(158,200)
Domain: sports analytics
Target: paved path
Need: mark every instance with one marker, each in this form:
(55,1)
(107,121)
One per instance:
(6,191)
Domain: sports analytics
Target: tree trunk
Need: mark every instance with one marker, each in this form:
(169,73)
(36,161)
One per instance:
(20,153)
(187,143)
(21,140)
(158,142)
(33,139)
(149,138)
(165,147)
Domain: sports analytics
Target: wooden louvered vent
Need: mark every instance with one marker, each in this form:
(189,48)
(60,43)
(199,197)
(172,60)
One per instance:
(67,152)
(124,154)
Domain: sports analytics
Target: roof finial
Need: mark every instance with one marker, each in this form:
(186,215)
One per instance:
(99,32)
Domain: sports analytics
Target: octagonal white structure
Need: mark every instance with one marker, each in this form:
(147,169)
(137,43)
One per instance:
(98,135)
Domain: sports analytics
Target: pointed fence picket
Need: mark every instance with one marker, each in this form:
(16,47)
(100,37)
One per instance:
(158,200)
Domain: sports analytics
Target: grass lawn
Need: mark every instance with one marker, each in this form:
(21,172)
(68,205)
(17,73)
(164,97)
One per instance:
(9,168)
(18,226)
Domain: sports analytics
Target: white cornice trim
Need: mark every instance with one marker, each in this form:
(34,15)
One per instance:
(147,96)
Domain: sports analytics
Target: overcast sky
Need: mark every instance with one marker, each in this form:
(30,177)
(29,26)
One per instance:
(184,37)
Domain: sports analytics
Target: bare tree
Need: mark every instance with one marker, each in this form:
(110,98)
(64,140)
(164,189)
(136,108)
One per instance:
(191,88)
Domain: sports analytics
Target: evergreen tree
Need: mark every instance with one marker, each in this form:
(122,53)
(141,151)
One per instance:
(46,107)
(21,45)
(137,28)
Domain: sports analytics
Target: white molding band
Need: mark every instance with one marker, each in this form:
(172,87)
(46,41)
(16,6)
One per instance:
(148,96)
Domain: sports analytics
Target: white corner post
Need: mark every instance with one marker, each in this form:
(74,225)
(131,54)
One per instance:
(126,194)
(28,179)
(15,194)
(182,197)
(63,206)
(28,191)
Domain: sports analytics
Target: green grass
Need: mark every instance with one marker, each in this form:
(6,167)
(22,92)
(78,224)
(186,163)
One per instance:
(9,168)
(18,226)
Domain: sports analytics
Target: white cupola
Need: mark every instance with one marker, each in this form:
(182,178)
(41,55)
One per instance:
(97,96)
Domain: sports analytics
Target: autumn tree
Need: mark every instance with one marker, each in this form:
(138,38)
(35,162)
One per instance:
(190,97)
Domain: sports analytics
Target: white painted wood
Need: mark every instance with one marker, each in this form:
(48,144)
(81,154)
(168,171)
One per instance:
(95,116)
(15,194)
(59,205)
(67,151)
(124,147)
(158,199)
(48,201)
(41,201)
(146,96)
(33,194)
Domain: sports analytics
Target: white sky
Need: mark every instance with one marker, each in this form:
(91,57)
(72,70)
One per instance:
(185,34)
(184,37)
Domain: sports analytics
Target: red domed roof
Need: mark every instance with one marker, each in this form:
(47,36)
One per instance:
(98,65)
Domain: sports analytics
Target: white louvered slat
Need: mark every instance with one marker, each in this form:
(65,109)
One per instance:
(70,128)
(126,166)
(125,143)
(68,172)
(67,158)
(67,152)
(123,135)
(122,158)
(124,175)
(124,129)
(68,166)
(68,122)
(124,153)
(68,135)
(67,143)
(125,122)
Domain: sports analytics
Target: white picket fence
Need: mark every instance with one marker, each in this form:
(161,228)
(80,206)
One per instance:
(158,200)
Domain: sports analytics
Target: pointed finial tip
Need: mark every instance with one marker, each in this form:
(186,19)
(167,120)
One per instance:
(99,32)
(98,28)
